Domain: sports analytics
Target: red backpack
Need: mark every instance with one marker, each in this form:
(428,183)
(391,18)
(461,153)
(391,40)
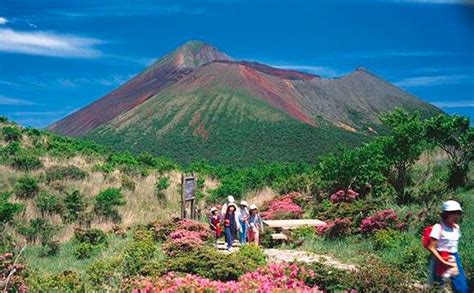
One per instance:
(425,238)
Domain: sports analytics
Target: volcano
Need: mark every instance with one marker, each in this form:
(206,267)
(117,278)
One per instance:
(198,103)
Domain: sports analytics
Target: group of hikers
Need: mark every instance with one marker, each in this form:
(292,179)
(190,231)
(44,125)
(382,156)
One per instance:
(441,239)
(242,222)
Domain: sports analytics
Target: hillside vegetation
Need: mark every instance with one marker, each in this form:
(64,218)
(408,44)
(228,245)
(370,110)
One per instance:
(376,199)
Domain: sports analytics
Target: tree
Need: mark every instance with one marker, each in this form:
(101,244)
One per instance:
(454,135)
(361,169)
(404,145)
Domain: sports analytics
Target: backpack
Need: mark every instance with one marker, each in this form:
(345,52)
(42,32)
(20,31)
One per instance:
(425,238)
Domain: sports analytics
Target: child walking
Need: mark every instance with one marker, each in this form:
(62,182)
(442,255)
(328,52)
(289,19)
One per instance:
(255,225)
(215,222)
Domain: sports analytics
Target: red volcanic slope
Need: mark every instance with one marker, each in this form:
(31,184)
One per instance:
(161,74)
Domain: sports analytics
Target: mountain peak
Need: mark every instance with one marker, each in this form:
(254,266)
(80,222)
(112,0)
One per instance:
(193,54)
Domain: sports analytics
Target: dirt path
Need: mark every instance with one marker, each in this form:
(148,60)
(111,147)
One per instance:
(277,255)
(288,255)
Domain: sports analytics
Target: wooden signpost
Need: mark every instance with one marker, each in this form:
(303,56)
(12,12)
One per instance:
(188,194)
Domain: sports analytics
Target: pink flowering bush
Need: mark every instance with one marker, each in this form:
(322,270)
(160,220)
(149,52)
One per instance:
(16,283)
(344,196)
(272,278)
(339,227)
(381,220)
(283,207)
(163,229)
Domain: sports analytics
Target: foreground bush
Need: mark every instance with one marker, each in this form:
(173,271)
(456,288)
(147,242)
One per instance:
(273,278)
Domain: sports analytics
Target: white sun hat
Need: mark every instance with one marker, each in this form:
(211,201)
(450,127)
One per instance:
(230,198)
(213,209)
(451,206)
(253,207)
(243,203)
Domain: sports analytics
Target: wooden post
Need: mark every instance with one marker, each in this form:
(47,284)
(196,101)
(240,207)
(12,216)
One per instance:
(183,211)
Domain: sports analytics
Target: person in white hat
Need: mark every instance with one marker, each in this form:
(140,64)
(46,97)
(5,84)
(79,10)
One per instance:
(255,225)
(231,224)
(445,261)
(215,221)
(230,199)
(243,216)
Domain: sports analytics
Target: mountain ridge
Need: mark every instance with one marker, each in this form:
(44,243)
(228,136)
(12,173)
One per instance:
(197,96)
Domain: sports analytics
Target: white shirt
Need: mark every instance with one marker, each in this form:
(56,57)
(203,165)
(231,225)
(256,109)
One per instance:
(447,237)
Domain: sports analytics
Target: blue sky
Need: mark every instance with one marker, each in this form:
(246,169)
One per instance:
(58,56)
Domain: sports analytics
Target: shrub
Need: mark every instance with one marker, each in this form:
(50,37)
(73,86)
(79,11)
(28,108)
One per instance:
(138,254)
(329,279)
(283,208)
(182,241)
(103,274)
(26,187)
(25,161)
(209,263)
(64,172)
(388,238)
(344,196)
(86,250)
(161,185)
(357,210)
(8,210)
(74,205)
(273,278)
(67,281)
(50,248)
(48,203)
(163,228)
(11,133)
(38,229)
(253,256)
(107,201)
(17,282)
(337,228)
(91,236)
(381,278)
(381,220)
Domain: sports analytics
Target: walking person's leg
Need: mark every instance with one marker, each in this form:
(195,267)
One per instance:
(228,237)
(242,232)
(459,282)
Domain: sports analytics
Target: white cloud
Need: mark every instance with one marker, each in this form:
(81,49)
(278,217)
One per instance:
(454,104)
(15,102)
(434,80)
(48,44)
(3,20)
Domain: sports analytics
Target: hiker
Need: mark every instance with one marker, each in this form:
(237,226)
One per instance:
(230,199)
(255,225)
(243,216)
(445,262)
(215,222)
(231,224)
